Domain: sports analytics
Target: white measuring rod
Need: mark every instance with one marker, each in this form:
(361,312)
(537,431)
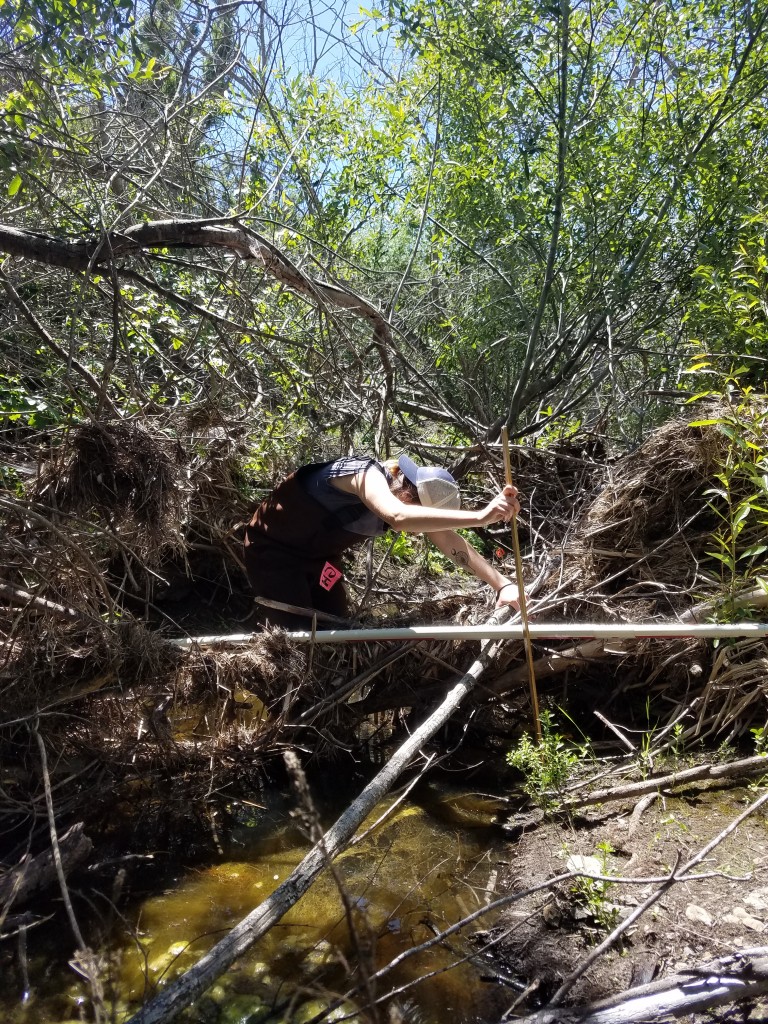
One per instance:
(536,631)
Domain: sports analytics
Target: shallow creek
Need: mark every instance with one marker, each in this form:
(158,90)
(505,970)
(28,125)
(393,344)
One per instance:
(428,865)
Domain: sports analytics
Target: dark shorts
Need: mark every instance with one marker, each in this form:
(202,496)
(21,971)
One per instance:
(279,574)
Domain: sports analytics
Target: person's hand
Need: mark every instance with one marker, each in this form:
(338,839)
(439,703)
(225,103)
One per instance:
(501,508)
(508,594)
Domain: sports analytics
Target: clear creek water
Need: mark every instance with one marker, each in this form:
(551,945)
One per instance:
(428,865)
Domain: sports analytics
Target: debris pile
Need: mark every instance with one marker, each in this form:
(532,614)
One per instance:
(606,538)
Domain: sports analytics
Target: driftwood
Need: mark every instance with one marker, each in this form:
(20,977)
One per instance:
(13,595)
(184,990)
(37,874)
(729,979)
(735,769)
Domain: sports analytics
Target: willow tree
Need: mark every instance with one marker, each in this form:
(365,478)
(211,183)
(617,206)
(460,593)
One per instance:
(173,118)
(512,199)
(584,158)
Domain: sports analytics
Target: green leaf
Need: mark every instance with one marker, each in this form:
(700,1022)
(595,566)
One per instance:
(755,549)
(725,559)
(15,185)
(741,514)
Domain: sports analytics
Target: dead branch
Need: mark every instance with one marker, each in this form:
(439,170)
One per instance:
(728,979)
(84,254)
(36,874)
(735,769)
(22,597)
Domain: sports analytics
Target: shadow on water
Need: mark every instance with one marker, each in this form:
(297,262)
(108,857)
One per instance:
(429,864)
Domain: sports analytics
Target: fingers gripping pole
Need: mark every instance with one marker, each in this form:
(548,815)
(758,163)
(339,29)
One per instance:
(521,593)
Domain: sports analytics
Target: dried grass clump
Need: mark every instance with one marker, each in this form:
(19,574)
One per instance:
(269,667)
(122,474)
(640,525)
(49,662)
(655,490)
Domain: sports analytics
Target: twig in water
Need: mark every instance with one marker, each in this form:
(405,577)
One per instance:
(84,961)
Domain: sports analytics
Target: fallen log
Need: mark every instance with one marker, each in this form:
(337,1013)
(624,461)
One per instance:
(729,979)
(36,874)
(184,990)
(757,765)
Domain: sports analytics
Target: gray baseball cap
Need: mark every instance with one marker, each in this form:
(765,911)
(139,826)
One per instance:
(436,486)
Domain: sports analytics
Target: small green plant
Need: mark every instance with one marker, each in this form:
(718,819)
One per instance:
(677,743)
(725,752)
(408,549)
(760,738)
(402,548)
(546,766)
(645,754)
(590,893)
(739,498)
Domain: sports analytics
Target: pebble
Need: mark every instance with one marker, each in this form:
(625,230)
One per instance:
(698,914)
(740,917)
(757,900)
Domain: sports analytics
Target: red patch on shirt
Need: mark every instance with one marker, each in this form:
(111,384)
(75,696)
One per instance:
(329,576)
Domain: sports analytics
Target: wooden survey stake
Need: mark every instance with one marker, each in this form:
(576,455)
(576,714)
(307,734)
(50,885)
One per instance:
(521,593)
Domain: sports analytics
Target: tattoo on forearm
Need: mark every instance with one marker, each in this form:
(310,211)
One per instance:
(460,557)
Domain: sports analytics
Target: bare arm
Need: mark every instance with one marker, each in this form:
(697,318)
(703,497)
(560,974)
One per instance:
(372,489)
(462,553)
(439,524)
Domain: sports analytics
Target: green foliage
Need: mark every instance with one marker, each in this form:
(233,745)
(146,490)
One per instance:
(11,481)
(63,32)
(544,231)
(730,302)
(591,893)
(677,744)
(411,549)
(739,499)
(546,766)
(760,738)
(645,753)
(556,427)
(526,190)
(403,548)
(19,405)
